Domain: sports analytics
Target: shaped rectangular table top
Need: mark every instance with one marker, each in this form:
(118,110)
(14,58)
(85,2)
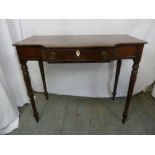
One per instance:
(73,41)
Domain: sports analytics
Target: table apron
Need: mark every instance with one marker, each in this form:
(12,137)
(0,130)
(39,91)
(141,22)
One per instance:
(77,55)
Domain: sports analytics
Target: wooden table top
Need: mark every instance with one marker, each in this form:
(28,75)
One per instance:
(68,41)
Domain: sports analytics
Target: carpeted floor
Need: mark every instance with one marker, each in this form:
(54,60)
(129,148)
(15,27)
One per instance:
(69,115)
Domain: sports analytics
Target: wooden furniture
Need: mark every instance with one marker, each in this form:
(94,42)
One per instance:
(80,49)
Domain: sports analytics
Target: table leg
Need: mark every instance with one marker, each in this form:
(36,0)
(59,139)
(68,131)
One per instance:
(43,78)
(29,89)
(130,89)
(119,63)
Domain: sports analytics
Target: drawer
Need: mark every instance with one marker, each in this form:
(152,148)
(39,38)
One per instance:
(77,55)
(29,53)
(125,52)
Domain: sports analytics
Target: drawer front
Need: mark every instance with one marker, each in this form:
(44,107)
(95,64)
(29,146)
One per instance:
(29,53)
(125,52)
(77,55)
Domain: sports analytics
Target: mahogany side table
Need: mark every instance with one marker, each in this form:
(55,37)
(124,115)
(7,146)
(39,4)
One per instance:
(80,49)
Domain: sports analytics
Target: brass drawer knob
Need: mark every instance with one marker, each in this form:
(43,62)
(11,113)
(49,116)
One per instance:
(104,55)
(77,53)
(52,56)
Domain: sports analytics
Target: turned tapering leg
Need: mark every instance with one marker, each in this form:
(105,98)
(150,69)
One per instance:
(43,78)
(130,89)
(119,63)
(29,89)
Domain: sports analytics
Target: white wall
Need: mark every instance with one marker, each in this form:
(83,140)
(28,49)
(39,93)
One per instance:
(95,80)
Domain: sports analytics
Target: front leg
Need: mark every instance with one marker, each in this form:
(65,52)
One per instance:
(29,89)
(131,88)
